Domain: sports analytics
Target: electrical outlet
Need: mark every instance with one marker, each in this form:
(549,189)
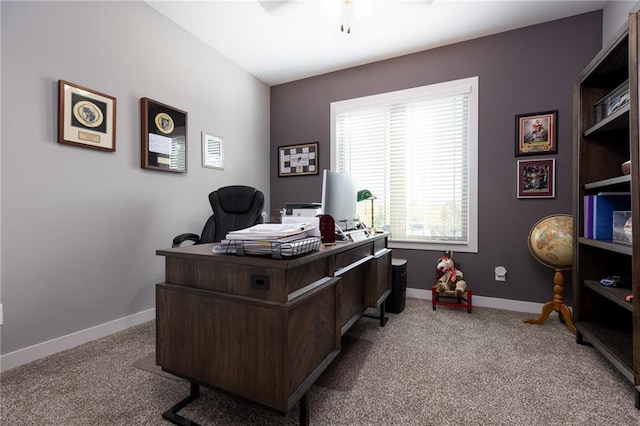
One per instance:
(1,315)
(500,273)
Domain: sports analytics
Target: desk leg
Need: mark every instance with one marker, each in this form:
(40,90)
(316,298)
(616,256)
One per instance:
(172,413)
(381,316)
(304,410)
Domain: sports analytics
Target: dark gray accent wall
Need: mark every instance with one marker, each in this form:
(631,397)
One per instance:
(521,71)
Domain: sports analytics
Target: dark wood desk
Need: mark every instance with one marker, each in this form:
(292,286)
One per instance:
(261,328)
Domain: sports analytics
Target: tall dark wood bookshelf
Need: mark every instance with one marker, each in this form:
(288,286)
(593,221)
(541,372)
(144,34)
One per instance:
(602,316)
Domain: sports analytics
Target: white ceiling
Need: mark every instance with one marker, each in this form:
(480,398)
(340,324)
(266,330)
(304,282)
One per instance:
(283,41)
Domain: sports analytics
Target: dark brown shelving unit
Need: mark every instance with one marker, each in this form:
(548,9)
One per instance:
(602,315)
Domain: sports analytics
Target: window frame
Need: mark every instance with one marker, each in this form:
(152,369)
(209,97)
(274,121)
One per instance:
(416,93)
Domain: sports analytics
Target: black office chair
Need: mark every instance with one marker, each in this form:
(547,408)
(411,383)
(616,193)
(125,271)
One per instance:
(234,207)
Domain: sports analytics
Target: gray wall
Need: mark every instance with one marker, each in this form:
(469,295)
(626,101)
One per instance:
(79,226)
(522,71)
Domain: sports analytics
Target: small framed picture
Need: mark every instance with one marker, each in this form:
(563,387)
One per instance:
(536,133)
(164,137)
(212,151)
(298,160)
(536,178)
(85,117)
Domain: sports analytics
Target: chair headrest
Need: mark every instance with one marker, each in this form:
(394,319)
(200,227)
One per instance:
(235,198)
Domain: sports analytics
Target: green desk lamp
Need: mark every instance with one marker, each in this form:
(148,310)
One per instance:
(364,195)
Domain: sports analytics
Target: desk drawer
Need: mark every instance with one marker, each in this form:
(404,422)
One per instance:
(380,244)
(351,256)
(237,279)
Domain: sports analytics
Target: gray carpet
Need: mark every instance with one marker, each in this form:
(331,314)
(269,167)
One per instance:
(444,367)
(343,373)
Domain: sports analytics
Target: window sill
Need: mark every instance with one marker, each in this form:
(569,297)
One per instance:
(431,246)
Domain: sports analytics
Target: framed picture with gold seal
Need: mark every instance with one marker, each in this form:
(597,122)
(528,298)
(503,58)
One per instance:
(86,117)
(164,137)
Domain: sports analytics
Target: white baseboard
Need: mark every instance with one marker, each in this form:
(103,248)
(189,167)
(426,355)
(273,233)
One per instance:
(59,344)
(487,302)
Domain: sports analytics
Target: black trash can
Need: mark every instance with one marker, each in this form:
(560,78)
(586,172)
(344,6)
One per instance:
(396,300)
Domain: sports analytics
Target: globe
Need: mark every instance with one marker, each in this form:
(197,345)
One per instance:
(551,241)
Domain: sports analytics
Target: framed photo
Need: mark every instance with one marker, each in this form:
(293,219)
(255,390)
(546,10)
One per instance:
(85,117)
(536,133)
(537,178)
(212,151)
(298,160)
(164,137)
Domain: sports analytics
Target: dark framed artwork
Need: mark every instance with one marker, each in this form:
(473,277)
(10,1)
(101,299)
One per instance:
(536,133)
(298,160)
(536,178)
(164,137)
(85,117)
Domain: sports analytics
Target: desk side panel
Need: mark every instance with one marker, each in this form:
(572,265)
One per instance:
(379,283)
(311,333)
(227,344)
(352,293)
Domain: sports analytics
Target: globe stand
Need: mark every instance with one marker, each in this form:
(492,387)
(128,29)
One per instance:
(557,305)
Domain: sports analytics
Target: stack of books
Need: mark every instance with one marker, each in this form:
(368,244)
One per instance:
(277,240)
(598,213)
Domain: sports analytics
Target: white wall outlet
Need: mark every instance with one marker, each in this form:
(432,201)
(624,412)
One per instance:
(1,315)
(500,273)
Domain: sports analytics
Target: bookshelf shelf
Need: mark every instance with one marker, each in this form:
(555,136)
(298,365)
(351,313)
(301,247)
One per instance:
(608,245)
(624,180)
(616,295)
(616,121)
(602,315)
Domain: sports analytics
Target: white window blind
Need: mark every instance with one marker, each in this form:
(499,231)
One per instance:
(416,151)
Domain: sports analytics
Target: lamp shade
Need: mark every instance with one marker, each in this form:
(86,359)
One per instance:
(365,194)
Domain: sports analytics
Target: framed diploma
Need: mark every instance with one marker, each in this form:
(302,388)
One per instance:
(298,160)
(85,117)
(164,137)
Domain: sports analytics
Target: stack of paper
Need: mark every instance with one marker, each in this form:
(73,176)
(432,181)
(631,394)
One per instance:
(281,232)
(276,249)
(275,239)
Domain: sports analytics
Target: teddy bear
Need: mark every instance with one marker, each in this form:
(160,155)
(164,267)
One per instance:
(450,279)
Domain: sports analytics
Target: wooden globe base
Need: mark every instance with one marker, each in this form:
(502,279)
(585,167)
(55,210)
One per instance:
(557,305)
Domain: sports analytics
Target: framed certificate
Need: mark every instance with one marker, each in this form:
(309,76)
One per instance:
(164,137)
(85,117)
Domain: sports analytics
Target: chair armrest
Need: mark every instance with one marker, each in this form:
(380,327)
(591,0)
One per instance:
(177,241)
